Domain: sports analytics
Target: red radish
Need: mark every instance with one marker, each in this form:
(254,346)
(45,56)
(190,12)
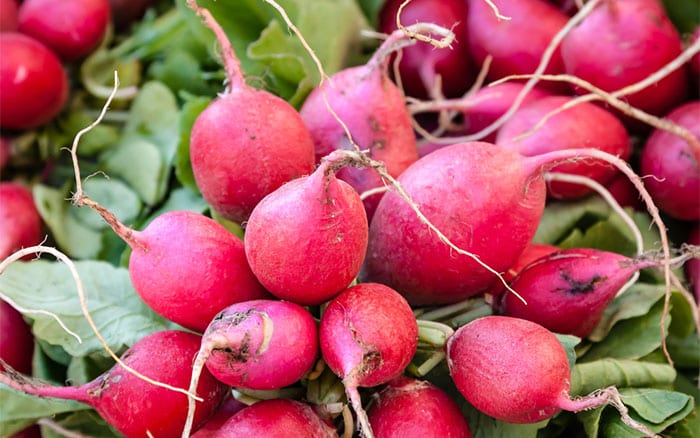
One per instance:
(17,341)
(137,408)
(623,42)
(582,126)
(516,371)
(278,418)
(210,429)
(671,166)
(19,219)
(408,407)
(422,63)
(517,44)
(5,151)
(187,267)
(487,200)
(692,267)
(8,15)
(531,253)
(568,290)
(71,28)
(695,60)
(305,242)
(247,143)
(33,83)
(368,336)
(374,111)
(624,192)
(33,431)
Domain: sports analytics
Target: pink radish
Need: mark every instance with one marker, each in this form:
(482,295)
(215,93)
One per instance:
(568,290)
(8,15)
(368,336)
(305,242)
(19,219)
(33,84)
(210,429)
(622,42)
(247,143)
(421,64)
(517,371)
(278,418)
(531,253)
(408,407)
(17,340)
(71,28)
(584,125)
(672,167)
(136,407)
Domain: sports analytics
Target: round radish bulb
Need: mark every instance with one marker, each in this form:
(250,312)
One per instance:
(247,142)
(624,192)
(695,60)
(71,28)
(368,336)
(135,407)
(187,267)
(305,242)
(531,253)
(33,83)
(19,219)
(674,165)
(568,290)
(692,267)
(210,429)
(408,407)
(486,199)
(278,418)
(516,45)
(583,126)
(422,63)
(8,15)
(623,42)
(17,341)
(261,344)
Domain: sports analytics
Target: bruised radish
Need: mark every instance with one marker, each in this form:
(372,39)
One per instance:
(516,371)
(187,267)
(19,219)
(16,341)
(137,408)
(277,418)
(247,142)
(487,200)
(582,126)
(568,290)
(623,42)
(408,407)
(33,84)
(368,336)
(421,64)
(672,166)
(305,242)
(374,111)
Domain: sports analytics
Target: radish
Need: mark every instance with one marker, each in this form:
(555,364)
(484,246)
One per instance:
(17,340)
(368,336)
(624,192)
(584,125)
(531,253)
(517,371)
(278,418)
(71,28)
(373,109)
(33,83)
(409,407)
(421,64)
(8,15)
(133,406)
(247,142)
(622,42)
(5,152)
(568,290)
(695,60)
(672,167)
(20,221)
(305,242)
(213,424)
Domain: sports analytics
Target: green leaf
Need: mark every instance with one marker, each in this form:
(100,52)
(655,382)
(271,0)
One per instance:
(483,426)
(654,405)
(587,377)
(559,218)
(86,422)
(569,342)
(120,315)
(191,109)
(113,195)
(138,162)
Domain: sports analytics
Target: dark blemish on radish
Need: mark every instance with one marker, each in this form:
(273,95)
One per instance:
(579,287)
(371,361)
(373,124)
(237,355)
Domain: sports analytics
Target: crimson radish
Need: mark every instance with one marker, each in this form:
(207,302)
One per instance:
(19,219)
(409,407)
(305,241)
(531,253)
(71,28)
(17,340)
(8,15)
(247,142)
(211,428)
(368,336)
(133,406)
(33,83)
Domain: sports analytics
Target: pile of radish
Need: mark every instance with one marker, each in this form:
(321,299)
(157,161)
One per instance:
(446,218)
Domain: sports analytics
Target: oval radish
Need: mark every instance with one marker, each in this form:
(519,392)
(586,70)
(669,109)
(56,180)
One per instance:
(17,340)
(19,219)
(8,15)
